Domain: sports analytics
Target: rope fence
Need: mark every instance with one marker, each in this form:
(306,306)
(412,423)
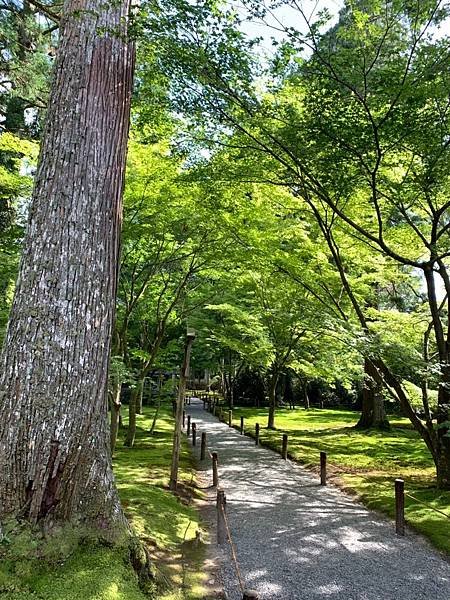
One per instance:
(222,524)
(213,405)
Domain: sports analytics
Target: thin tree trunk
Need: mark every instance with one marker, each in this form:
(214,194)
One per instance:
(184,375)
(55,460)
(139,397)
(305,396)
(115,405)
(156,414)
(442,459)
(272,400)
(131,431)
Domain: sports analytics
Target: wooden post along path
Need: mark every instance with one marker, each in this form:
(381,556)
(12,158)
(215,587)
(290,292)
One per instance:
(257,434)
(285,446)
(188,425)
(242,425)
(194,434)
(203,447)
(400,507)
(221,526)
(215,469)
(323,468)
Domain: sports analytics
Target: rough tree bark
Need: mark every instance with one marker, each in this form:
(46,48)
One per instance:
(55,461)
(373,414)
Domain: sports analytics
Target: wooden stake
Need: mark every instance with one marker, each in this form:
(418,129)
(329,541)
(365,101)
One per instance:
(242,425)
(215,469)
(194,434)
(285,446)
(230,417)
(250,595)
(323,468)
(400,507)
(203,447)
(221,528)
(189,425)
(257,434)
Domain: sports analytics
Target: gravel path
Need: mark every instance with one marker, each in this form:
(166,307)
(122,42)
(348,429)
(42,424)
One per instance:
(298,540)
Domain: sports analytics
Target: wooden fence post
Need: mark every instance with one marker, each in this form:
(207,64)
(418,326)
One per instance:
(285,446)
(230,417)
(242,425)
(194,434)
(323,468)
(400,507)
(203,447)
(189,425)
(215,470)
(257,434)
(250,595)
(221,527)
(184,419)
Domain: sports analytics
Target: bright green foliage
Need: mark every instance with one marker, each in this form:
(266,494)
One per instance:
(28,42)
(17,157)
(167,242)
(356,129)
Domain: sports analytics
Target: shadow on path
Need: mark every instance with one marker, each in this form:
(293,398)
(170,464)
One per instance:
(298,540)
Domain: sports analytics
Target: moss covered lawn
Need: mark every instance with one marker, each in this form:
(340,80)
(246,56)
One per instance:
(71,567)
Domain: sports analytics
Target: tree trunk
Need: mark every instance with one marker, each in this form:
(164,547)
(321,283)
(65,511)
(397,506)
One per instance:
(156,414)
(115,405)
(184,375)
(306,397)
(442,459)
(55,460)
(231,398)
(139,397)
(131,431)
(373,414)
(443,470)
(272,400)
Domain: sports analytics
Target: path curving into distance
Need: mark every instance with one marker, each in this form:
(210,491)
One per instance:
(297,540)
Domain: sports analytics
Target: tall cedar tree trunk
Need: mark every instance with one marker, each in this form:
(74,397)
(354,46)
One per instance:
(55,461)
(373,414)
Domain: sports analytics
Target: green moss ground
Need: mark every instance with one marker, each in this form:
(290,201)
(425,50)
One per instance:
(364,462)
(166,523)
(69,570)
